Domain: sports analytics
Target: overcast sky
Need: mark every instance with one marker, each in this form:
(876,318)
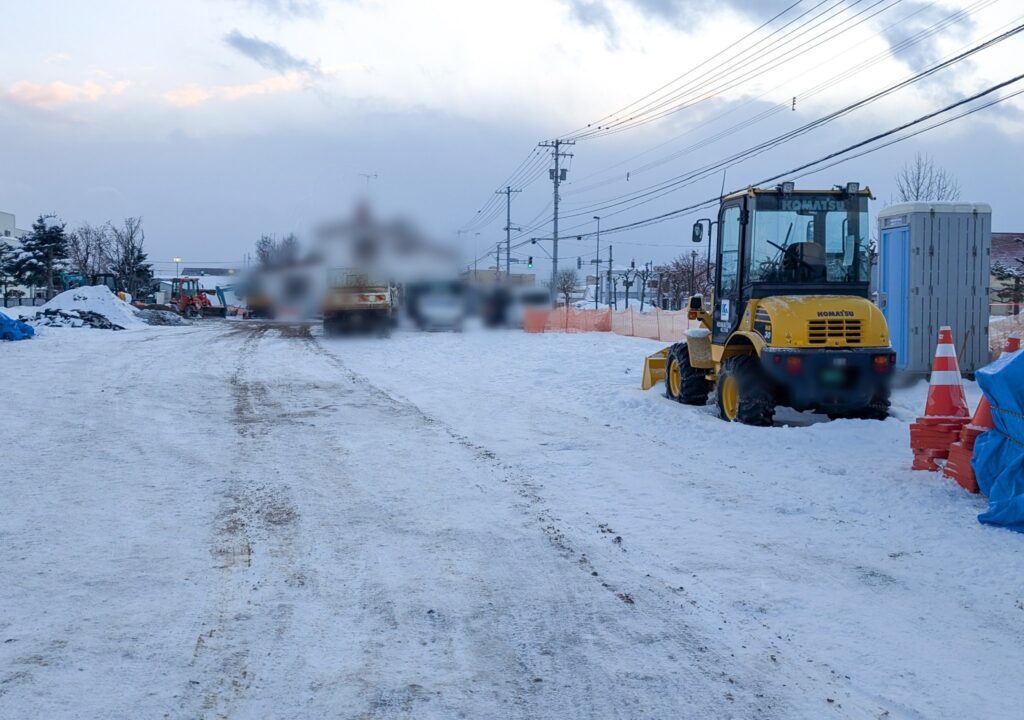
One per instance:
(218,120)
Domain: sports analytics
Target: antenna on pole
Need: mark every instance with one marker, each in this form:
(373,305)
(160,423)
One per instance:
(368,177)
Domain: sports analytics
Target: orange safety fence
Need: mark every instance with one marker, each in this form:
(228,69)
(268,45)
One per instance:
(655,324)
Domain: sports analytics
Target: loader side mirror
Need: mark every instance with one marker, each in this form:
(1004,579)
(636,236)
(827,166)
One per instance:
(698,232)
(696,302)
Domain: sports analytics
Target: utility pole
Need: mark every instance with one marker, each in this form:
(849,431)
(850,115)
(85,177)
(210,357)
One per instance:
(597,268)
(497,262)
(557,176)
(612,300)
(507,192)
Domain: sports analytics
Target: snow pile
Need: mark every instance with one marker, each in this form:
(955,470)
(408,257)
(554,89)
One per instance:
(95,307)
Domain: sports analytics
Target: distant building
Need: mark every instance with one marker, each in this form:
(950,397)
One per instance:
(492,276)
(1007,250)
(8,227)
(201,271)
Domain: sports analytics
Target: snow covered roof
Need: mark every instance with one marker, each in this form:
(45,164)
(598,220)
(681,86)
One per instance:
(939,207)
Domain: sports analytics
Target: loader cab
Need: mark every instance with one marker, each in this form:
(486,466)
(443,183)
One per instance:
(785,242)
(184,287)
(108,280)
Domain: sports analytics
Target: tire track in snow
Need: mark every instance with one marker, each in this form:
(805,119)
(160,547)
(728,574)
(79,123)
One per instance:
(742,689)
(253,549)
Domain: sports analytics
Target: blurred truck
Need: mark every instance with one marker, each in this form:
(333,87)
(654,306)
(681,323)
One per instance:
(357,302)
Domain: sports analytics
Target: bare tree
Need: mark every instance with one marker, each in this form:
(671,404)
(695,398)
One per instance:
(565,284)
(288,249)
(643,276)
(687,275)
(89,250)
(271,251)
(266,250)
(128,256)
(923,181)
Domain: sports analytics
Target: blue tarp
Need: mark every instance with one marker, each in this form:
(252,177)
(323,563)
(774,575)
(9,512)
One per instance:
(999,453)
(14,329)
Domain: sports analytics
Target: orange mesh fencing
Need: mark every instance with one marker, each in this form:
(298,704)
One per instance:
(655,324)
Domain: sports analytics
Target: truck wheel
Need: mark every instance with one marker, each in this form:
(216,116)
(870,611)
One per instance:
(683,382)
(332,327)
(744,392)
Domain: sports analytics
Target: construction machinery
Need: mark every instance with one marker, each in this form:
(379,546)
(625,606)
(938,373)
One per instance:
(358,302)
(69,281)
(789,322)
(190,300)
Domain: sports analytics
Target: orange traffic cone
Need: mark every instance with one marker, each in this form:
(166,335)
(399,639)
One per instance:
(945,412)
(958,466)
(946,396)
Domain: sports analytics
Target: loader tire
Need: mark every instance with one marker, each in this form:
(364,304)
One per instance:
(683,382)
(744,392)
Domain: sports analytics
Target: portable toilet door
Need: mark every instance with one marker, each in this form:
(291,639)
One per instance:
(894,284)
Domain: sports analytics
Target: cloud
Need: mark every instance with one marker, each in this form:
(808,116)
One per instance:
(290,8)
(598,14)
(270,55)
(594,13)
(923,53)
(193,94)
(52,95)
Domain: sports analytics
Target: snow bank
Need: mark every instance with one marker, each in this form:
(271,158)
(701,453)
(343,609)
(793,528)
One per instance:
(96,299)
(19,311)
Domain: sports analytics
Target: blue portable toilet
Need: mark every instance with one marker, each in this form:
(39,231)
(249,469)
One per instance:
(933,270)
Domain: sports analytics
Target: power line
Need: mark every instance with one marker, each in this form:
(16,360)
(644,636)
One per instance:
(662,188)
(890,52)
(696,67)
(736,70)
(850,148)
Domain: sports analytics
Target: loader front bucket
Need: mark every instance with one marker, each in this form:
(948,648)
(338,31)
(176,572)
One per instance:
(654,368)
(218,311)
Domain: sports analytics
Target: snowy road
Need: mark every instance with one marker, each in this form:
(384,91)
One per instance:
(238,521)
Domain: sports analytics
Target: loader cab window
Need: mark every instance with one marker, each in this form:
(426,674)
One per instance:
(809,239)
(730,250)
(727,296)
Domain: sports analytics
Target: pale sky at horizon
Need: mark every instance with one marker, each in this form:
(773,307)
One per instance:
(217,120)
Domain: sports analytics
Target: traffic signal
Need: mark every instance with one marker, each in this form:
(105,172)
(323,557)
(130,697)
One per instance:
(579,263)
(529,262)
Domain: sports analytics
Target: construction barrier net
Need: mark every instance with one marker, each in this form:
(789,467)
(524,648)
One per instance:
(655,324)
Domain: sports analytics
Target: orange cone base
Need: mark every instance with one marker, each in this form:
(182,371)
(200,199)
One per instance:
(958,467)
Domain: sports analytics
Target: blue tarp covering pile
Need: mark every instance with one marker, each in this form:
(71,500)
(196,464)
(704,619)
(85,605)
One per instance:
(999,453)
(14,329)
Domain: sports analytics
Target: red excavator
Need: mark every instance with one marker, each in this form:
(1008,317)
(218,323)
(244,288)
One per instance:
(191,301)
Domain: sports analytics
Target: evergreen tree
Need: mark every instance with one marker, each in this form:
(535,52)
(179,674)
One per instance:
(7,266)
(42,253)
(1012,289)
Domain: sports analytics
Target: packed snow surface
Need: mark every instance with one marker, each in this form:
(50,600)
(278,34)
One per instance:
(479,525)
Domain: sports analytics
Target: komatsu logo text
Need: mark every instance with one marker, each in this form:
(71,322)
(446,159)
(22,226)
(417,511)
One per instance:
(836,314)
(813,204)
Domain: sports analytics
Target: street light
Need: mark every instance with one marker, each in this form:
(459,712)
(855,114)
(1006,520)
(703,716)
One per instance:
(177,263)
(597,267)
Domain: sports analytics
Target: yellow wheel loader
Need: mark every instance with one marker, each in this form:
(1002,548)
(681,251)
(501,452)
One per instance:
(790,322)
